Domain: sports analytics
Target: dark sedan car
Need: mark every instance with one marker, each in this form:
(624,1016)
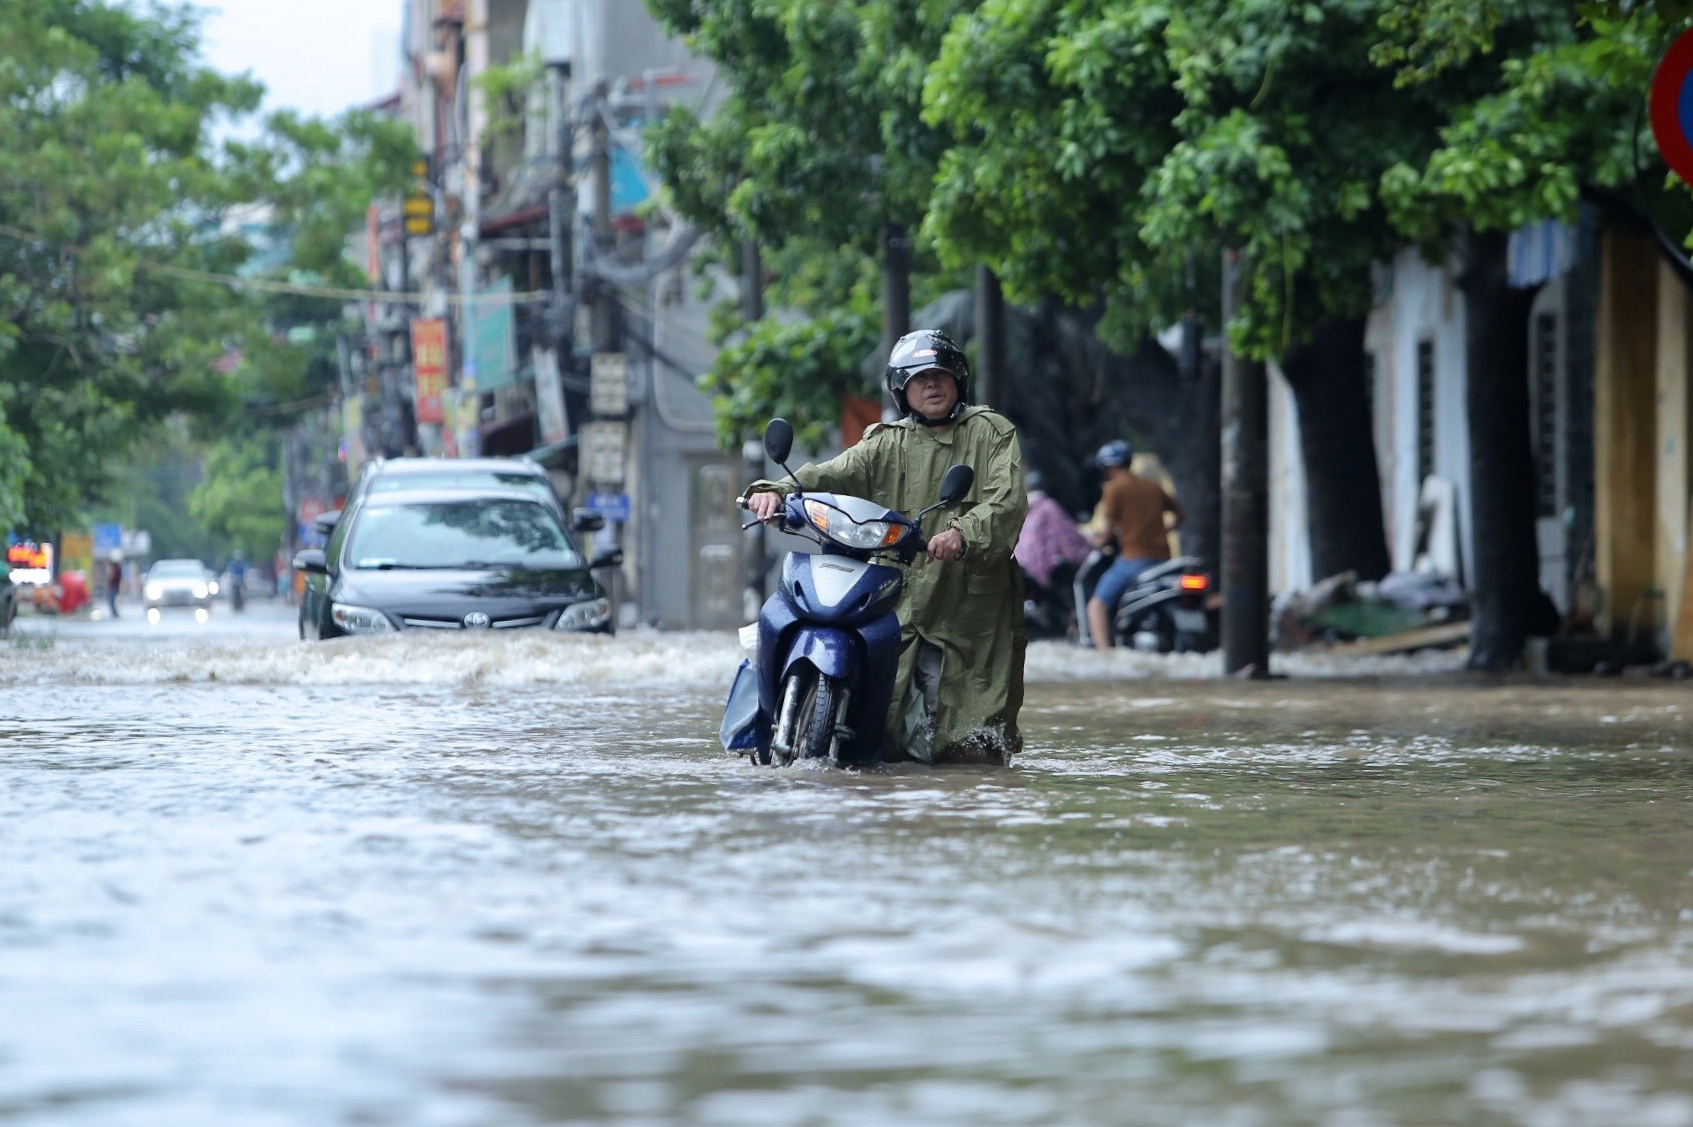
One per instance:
(393,475)
(452,559)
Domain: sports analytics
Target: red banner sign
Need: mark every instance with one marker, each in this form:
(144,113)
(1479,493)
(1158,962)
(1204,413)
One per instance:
(429,361)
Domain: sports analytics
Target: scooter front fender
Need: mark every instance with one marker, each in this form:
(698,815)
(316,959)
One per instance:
(830,650)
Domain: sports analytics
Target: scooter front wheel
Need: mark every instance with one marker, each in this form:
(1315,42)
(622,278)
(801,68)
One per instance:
(806,717)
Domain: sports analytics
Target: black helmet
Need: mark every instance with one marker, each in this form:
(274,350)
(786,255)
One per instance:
(919,352)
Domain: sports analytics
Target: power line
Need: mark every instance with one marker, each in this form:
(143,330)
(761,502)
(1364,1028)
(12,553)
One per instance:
(269,285)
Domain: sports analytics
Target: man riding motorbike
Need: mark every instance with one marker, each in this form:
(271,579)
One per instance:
(1134,508)
(959,687)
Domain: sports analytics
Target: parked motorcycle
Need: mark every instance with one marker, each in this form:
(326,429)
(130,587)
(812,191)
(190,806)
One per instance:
(1167,609)
(827,644)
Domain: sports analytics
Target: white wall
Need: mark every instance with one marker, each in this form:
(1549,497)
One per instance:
(1419,301)
(1290,537)
(1424,303)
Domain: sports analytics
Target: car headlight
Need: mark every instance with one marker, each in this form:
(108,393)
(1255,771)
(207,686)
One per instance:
(154,591)
(838,527)
(199,590)
(360,620)
(584,616)
(213,587)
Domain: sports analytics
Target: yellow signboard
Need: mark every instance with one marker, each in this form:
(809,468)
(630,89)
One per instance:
(418,208)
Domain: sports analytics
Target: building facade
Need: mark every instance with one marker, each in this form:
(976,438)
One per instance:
(531,234)
(1609,361)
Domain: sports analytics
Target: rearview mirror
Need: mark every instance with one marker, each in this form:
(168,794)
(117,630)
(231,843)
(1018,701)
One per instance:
(586,520)
(779,441)
(311,560)
(956,484)
(607,557)
(325,522)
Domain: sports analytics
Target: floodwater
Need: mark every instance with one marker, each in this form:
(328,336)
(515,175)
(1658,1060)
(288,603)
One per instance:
(492,880)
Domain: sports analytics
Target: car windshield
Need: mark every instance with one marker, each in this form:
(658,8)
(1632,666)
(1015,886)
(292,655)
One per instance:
(177,569)
(459,534)
(463,479)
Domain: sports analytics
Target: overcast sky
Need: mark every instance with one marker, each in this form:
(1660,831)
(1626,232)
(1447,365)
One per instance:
(315,56)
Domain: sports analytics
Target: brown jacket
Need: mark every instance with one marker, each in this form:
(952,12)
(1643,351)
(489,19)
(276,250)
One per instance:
(1134,510)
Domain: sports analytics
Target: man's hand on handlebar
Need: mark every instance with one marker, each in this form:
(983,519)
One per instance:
(764,504)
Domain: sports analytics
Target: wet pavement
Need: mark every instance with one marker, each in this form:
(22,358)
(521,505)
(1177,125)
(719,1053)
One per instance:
(511,879)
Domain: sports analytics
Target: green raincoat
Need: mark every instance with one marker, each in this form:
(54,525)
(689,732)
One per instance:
(971,609)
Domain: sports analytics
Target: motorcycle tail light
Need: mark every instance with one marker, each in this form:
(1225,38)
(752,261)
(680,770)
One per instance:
(1195,582)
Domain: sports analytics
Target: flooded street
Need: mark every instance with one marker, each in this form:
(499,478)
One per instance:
(490,880)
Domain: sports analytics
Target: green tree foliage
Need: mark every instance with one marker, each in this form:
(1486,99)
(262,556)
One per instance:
(14,464)
(117,205)
(1105,151)
(819,146)
(1564,115)
(240,499)
(1108,150)
(150,487)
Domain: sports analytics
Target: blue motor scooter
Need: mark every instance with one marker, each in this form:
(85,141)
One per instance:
(828,638)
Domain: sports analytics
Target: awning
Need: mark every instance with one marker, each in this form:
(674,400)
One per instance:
(560,455)
(1539,252)
(508,436)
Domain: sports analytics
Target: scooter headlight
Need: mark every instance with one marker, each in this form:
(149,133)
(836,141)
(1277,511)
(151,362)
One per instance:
(849,533)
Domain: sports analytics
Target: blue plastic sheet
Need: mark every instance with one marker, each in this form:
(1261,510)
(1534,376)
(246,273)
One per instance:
(739,731)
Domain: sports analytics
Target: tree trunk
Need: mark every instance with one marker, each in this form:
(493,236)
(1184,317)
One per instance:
(1507,557)
(1337,442)
(1245,571)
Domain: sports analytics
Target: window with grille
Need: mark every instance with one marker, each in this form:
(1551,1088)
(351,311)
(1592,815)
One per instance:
(1545,406)
(1425,410)
(1369,384)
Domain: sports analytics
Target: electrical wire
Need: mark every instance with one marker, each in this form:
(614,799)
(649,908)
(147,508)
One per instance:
(269,285)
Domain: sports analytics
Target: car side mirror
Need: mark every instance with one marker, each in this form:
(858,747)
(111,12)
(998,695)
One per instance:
(779,441)
(311,560)
(956,484)
(586,520)
(325,522)
(607,557)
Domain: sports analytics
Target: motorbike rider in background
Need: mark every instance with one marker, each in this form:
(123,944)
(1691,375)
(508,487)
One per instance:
(959,687)
(237,580)
(1050,547)
(1134,509)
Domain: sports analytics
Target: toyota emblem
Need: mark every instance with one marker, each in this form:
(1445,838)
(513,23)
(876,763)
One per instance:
(477,620)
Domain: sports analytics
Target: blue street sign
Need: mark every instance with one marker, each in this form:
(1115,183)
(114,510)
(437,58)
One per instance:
(108,538)
(611,506)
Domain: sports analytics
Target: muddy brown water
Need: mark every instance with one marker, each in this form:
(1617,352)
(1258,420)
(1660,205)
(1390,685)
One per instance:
(497,881)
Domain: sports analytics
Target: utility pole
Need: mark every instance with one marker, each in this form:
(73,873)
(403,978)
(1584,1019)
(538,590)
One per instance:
(605,311)
(896,286)
(1245,571)
(752,453)
(990,331)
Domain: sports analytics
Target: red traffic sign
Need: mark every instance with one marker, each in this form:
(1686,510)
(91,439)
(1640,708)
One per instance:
(1671,107)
